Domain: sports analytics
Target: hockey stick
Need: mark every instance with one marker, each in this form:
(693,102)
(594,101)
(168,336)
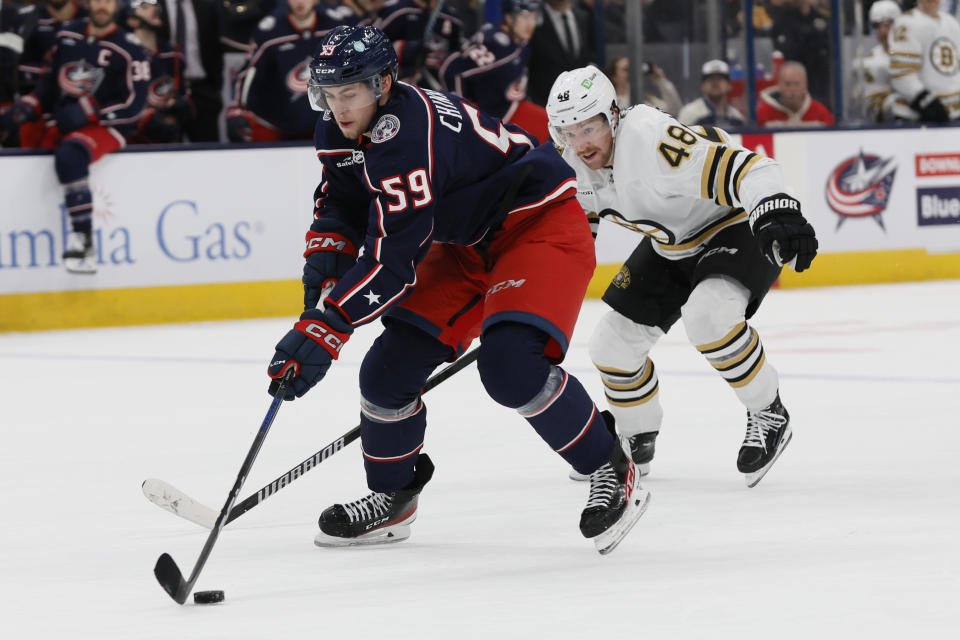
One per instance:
(166,570)
(434,83)
(178,503)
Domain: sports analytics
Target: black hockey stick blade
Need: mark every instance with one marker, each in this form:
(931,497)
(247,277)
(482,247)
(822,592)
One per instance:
(170,578)
(166,570)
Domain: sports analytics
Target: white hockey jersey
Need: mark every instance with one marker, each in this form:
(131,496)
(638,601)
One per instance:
(883,104)
(925,54)
(679,185)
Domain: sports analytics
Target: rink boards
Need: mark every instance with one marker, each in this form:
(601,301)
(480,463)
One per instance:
(218,233)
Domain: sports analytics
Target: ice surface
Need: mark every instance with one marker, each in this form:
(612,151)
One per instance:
(855,533)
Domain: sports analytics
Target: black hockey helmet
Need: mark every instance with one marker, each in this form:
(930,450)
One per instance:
(347,55)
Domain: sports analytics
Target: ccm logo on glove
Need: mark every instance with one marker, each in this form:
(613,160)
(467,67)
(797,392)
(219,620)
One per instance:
(328,242)
(322,334)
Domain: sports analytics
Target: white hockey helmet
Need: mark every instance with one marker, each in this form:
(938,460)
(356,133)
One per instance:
(883,10)
(577,96)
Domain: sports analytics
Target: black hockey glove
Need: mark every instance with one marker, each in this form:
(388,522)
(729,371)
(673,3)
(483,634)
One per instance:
(16,115)
(929,107)
(329,255)
(783,233)
(310,348)
(76,115)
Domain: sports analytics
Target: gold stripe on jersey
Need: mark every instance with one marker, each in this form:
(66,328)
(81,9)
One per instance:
(594,221)
(904,65)
(897,76)
(726,170)
(709,169)
(716,345)
(744,169)
(908,54)
(735,216)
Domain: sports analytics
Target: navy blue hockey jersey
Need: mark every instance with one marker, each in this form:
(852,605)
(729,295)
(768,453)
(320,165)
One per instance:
(39,43)
(113,68)
(490,71)
(404,22)
(273,85)
(434,169)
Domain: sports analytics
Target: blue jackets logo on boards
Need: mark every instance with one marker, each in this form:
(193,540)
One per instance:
(860,187)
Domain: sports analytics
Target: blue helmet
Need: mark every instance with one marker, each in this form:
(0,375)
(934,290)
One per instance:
(347,55)
(516,6)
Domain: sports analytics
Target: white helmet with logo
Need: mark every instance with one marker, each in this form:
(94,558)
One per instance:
(883,10)
(577,96)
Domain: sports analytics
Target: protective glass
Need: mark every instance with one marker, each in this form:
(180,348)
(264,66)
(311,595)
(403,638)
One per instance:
(343,97)
(593,132)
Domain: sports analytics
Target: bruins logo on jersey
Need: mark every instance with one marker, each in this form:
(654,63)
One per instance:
(622,279)
(943,56)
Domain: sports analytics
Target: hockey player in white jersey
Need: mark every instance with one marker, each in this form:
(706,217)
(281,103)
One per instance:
(925,61)
(872,71)
(718,225)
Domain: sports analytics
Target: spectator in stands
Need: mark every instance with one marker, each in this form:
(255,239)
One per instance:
(789,104)
(194,29)
(405,21)
(491,70)
(664,95)
(801,31)
(272,101)
(712,108)
(168,110)
(563,41)
(96,90)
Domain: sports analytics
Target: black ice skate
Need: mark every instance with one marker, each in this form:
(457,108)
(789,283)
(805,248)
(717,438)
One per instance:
(616,499)
(377,518)
(768,434)
(80,255)
(641,450)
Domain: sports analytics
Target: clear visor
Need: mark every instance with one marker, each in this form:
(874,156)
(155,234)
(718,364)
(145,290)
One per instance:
(343,97)
(580,135)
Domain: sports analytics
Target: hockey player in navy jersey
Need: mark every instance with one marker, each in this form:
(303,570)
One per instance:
(271,91)
(466,228)
(96,91)
(168,110)
(405,22)
(491,70)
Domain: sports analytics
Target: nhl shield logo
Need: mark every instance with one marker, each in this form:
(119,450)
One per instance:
(387,127)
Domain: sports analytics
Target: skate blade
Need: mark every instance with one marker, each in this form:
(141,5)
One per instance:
(80,265)
(753,478)
(396,533)
(609,539)
(642,470)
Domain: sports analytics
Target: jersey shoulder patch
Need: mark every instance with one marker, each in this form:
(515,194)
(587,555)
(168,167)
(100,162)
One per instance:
(133,39)
(388,126)
(501,38)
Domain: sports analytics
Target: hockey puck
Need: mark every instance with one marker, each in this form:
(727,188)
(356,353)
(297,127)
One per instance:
(208,597)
